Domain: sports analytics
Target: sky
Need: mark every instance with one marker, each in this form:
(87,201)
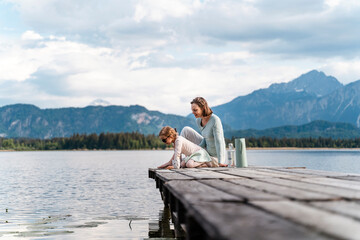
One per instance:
(162,53)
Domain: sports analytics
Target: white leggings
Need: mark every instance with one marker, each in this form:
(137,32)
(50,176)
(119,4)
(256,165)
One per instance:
(191,135)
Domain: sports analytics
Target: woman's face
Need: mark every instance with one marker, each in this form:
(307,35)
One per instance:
(196,110)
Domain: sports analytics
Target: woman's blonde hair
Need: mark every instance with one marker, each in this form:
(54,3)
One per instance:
(202,103)
(168,132)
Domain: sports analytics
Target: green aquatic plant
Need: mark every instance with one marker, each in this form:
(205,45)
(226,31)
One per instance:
(86,225)
(41,228)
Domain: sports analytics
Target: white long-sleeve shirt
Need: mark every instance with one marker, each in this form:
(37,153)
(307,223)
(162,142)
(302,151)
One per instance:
(183,146)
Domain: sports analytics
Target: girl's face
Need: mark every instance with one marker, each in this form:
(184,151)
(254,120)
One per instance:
(196,110)
(167,140)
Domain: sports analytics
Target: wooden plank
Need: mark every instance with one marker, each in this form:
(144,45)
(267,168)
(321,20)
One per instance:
(308,172)
(241,221)
(249,167)
(192,191)
(290,173)
(342,192)
(294,167)
(248,194)
(272,167)
(208,175)
(261,173)
(350,177)
(328,223)
(166,176)
(334,182)
(351,209)
(284,191)
(188,170)
(245,173)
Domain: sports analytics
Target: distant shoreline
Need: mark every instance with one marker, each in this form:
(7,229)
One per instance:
(248,148)
(298,148)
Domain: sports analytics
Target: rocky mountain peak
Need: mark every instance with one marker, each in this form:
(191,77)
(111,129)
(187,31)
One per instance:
(100,102)
(311,96)
(314,83)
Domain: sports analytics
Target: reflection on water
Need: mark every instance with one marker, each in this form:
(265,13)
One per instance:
(128,227)
(163,228)
(62,225)
(39,228)
(79,195)
(125,227)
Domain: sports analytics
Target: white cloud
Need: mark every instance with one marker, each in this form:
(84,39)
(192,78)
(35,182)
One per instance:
(303,28)
(161,53)
(31,35)
(228,58)
(332,3)
(345,70)
(68,72)
(161,9)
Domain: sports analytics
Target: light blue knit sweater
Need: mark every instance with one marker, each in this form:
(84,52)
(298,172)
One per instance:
(213,134)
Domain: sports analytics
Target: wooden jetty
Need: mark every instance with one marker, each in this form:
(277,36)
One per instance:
(261,202)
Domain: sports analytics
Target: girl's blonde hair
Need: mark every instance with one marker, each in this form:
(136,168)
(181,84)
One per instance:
(168,132)
(202,103)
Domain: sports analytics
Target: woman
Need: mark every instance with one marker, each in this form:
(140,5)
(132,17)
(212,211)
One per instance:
(195,155)
(212,134)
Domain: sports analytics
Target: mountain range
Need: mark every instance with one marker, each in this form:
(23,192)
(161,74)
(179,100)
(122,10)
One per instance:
(313,129)
(311,97)
(22,120)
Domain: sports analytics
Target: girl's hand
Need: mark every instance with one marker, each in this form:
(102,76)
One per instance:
(163,166)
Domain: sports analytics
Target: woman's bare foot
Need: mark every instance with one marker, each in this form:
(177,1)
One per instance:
(222,165)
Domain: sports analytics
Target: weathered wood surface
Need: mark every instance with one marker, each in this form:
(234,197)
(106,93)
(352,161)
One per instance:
(262,202)
(247,194)
(230,220)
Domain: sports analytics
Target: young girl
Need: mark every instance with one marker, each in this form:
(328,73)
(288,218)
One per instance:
(195,155)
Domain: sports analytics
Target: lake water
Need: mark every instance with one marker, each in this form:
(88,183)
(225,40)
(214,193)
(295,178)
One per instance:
(107,194)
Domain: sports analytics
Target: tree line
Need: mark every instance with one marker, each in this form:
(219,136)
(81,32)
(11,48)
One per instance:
(103,141)
(137,141)
(320,142)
